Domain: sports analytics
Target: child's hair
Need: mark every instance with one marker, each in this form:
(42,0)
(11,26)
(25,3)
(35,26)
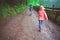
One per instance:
(30,5)
(41,7)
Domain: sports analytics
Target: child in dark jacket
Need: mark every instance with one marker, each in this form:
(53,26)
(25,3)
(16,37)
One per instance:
(30,9)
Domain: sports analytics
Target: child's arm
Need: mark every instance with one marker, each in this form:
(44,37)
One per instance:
(45,15)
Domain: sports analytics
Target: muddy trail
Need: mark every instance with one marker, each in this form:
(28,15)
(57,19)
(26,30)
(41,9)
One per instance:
(25,27)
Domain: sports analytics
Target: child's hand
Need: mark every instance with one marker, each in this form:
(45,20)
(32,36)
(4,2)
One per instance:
(47,19)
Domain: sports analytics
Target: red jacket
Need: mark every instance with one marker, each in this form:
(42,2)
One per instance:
(42,14)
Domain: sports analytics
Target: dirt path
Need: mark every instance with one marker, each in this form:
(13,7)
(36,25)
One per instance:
(25,27)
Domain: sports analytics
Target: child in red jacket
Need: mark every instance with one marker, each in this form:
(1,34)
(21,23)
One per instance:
(41,16)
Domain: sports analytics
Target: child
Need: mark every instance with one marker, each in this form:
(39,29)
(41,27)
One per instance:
(41,17)
(30,10)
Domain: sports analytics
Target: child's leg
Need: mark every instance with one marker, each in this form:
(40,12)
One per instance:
(40,23)
(30,12)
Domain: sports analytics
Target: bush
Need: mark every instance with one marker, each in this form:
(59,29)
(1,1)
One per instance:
(6,10)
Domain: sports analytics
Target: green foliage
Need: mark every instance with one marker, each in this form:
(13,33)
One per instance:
(45,3)
(18,8)
(6,9)
(12,11)
(33,2)
(4,12)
